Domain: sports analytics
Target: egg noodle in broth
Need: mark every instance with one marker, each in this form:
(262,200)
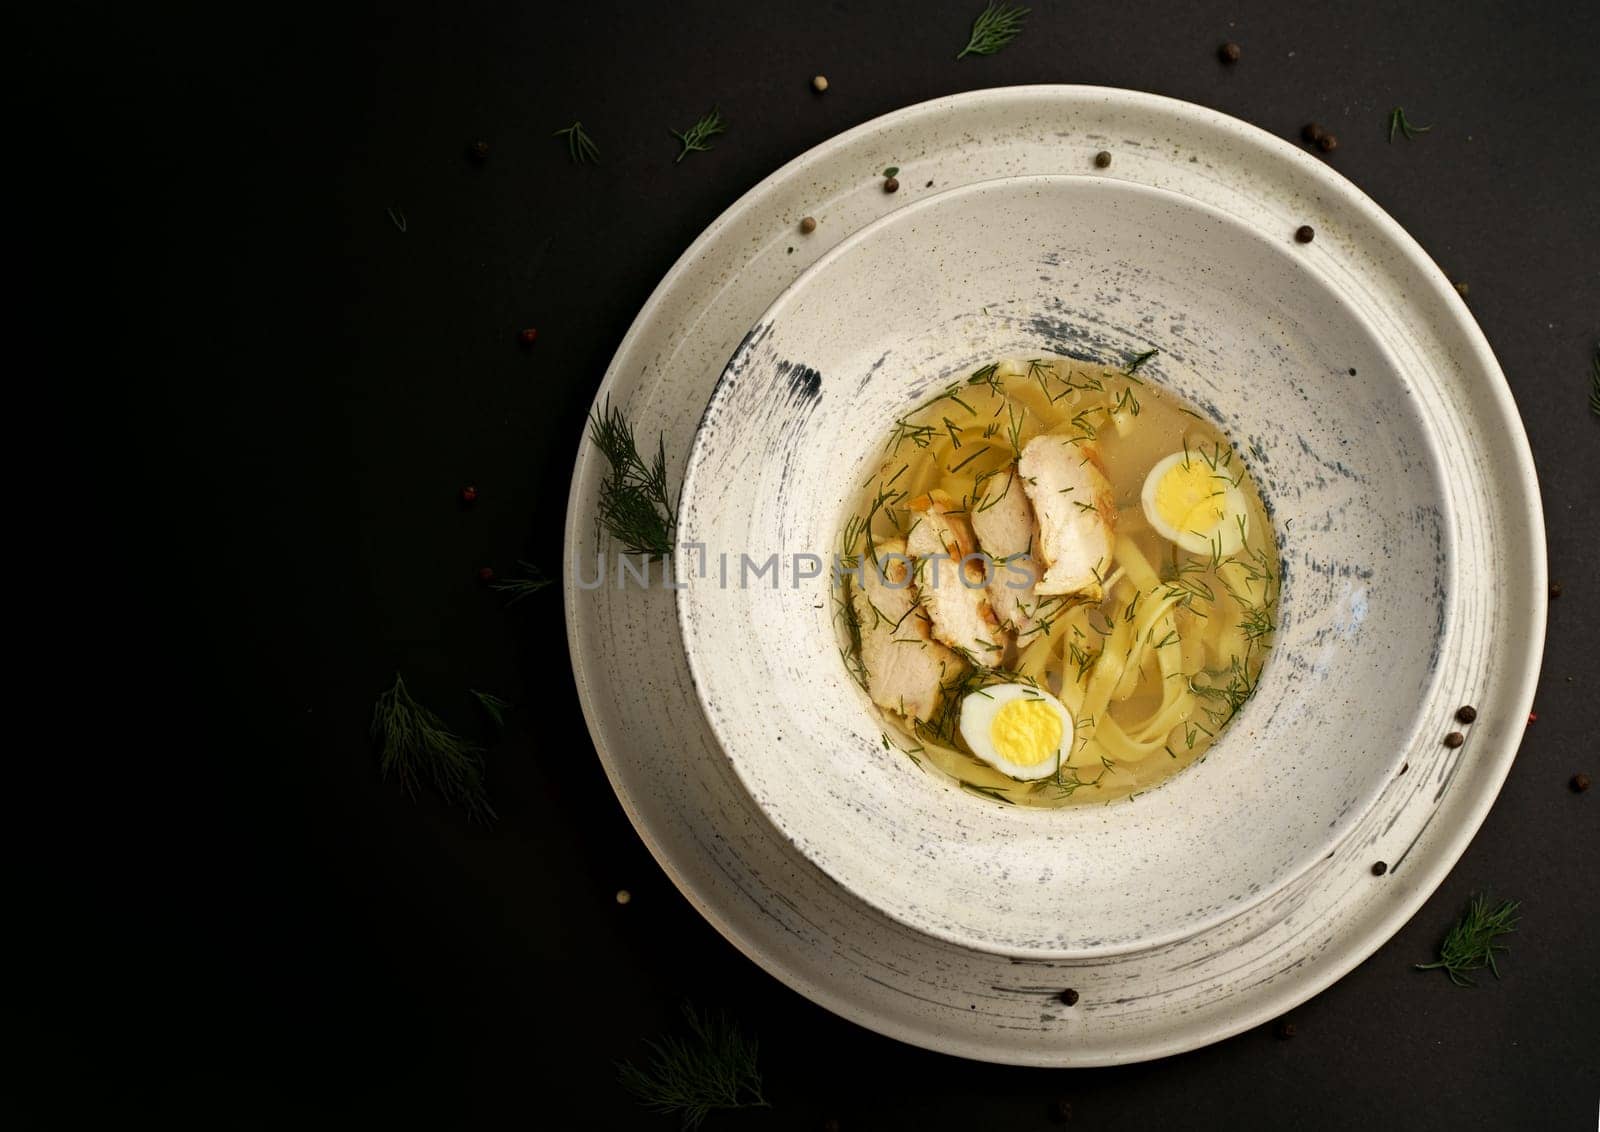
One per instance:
(1059,584)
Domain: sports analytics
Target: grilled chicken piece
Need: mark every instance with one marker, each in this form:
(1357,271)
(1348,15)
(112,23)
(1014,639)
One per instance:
(906,671)
(1007,533)
(954,593)
(1076,512)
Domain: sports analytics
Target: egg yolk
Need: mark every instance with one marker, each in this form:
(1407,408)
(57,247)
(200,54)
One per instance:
(1026,732)
(1188,497)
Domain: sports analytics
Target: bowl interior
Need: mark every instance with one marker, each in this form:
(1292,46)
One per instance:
(1093,269)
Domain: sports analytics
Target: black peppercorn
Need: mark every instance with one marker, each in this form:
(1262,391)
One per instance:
(1284,1030)
(1305,234)
(1555,589)
(1579,783)
(1454,739)
(1467,713)
(1311,133)
(892,184)
(479,150)
(1462,289)
(808,225)
(1379,868)
(1061,1110)
(831,1124)
(1229,53)
(1102,159)
(1069,997)
(1327,143)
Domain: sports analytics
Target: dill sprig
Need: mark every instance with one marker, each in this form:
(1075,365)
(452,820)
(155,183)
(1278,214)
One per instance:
(493,706)
(1138,360)
(696,139)
(397,217)
(635,505)
(1398,123)
(1470,945)
(532,581)
(1594,388)
(996,26)
(580,146)
(415,747)
(690,1077)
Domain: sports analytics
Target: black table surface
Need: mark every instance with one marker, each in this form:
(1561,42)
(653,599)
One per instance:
(317,386)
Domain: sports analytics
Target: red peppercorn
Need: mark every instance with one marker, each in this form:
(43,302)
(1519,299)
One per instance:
(486,574)
(528,337)
(1229,53)
(1579,783)
(1533,717)
(1284,1030)
(469,494)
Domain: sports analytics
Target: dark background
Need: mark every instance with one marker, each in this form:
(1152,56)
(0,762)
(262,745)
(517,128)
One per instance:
(286,393)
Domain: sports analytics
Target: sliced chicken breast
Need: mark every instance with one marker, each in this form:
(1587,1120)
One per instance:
(1003,522)
(906,670)
(954,592)
(1076,512)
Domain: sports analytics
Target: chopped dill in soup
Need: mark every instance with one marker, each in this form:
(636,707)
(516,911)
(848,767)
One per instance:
(1060,583)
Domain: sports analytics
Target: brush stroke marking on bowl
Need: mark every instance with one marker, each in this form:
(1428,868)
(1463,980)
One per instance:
(1092,269)
(769,900)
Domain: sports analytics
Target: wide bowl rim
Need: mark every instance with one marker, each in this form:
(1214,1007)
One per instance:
(810,848)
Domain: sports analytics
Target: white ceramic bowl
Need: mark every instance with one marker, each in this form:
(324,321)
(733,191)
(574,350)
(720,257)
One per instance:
(1091,268)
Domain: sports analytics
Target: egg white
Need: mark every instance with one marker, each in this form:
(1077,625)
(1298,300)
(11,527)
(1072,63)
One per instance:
(978,711)
(1230,530)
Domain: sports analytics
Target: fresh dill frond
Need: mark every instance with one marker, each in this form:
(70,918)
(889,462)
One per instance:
(988,375)
(1398,123)
(493,706)
(635,505)
(580,146)
(415,747)
(397,217)
(1470,945)
(1138,360)
(994,793)
(919,434)
(1232,696)
(531,582)
(1594,388)
(691,1077)
(697,138)
(996,26)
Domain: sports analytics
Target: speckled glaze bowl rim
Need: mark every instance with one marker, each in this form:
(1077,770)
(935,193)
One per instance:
(757,894)
(813,849)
